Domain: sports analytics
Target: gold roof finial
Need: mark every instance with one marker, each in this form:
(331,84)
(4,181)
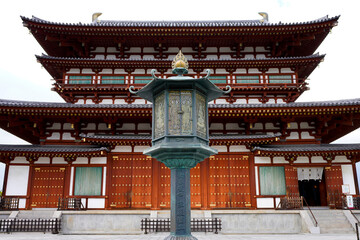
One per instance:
(180,61)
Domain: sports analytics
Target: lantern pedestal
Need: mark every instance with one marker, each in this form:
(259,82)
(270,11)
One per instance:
(180,158)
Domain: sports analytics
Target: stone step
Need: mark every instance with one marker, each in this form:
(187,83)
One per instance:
(35,214)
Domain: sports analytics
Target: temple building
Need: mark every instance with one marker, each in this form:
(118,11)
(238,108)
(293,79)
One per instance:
(269,145)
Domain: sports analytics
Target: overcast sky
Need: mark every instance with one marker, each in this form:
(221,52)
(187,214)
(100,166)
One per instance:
(22,78)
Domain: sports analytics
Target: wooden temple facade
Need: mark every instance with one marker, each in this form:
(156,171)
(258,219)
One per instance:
(90,147)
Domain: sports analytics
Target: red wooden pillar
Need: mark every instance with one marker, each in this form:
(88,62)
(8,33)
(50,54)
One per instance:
(155,205)
(29,187)
(204,183)
(6,174)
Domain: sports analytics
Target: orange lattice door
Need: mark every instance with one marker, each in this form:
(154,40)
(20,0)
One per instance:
(333,178)
(165,186)
(291,178)
(195,187)
(219,182)
(48,186)
(239,196)
(121,178)
(141,181)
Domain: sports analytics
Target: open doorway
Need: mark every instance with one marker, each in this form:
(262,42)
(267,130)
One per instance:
(312,186)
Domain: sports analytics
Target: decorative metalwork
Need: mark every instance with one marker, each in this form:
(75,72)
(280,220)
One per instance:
(159,117)
(186,112)
(180,61)
(174,112)
(201,115)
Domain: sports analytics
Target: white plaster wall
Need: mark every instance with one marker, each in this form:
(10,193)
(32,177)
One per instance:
(270,126)
(106,101)
(140,148)
(99,49)
(144,126)
(43,160)
(216,126)
(119,101)
(103,126)
(348,177)
(104,182)
(293,135)
(257,126)
(119,71)
(257,181)
(317,160)
(139,71)
(306,135)
(90,126)
(80,101)
(98,160)
(67,136)
(81,160)
(67,126)
(341,159)
(302,160)
(280,160)
(17,181)
(238,148)
(252,100)
(122,149)
(73,71)
(55,126)
(265,202)
(273,70)
(22,202)
(127,126)
(19,160)
(96,203)
(232,126)
(241,101)
(58,160)
(54,136)
(293,125)
(221,101)
(220,148)
(262,159)
(305,125)
(87,71)
(71,181)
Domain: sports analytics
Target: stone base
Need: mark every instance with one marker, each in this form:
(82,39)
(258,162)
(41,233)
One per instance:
(173,237)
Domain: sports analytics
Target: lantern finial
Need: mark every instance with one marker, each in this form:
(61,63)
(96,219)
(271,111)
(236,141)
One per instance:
(180,64)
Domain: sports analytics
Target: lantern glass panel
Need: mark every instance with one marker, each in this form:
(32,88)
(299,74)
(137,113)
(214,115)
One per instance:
(201,115)
(159,117)
(180,113)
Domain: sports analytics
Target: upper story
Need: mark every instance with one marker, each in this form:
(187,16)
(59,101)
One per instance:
(97,62)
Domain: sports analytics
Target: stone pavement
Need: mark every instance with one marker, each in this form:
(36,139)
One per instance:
(161,236)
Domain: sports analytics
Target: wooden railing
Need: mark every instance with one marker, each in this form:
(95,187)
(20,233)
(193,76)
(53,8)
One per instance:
(9,203)
(70,204)
(197,225)
(30,225)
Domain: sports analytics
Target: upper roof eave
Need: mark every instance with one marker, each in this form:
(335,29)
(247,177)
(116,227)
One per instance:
(177,24)
(307,148)
(33,104)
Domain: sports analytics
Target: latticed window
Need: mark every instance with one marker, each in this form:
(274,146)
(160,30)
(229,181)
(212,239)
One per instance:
(88,181)
(248,79)
(280,79)
(142,79)
(113,79)
(218,79)
(80,79)
(272,181)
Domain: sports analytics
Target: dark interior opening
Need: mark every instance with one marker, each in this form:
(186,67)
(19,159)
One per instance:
(314,191)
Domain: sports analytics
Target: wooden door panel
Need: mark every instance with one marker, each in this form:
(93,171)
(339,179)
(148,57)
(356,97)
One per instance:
(333,178)
(239,181)
(219,181)
(195,190)
(165,186)
(121,178)
(141,181)
(48,186)
(291,179)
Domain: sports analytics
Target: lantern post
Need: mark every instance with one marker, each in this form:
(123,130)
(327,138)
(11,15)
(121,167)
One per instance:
(180,133)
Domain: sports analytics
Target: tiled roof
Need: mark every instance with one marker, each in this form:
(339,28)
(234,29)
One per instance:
(212,137)
(314,56)
(24,104)
(308,148)
(52,148)
(175,24)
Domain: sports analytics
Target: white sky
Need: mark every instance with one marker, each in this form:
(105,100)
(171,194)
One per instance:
(22,78)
